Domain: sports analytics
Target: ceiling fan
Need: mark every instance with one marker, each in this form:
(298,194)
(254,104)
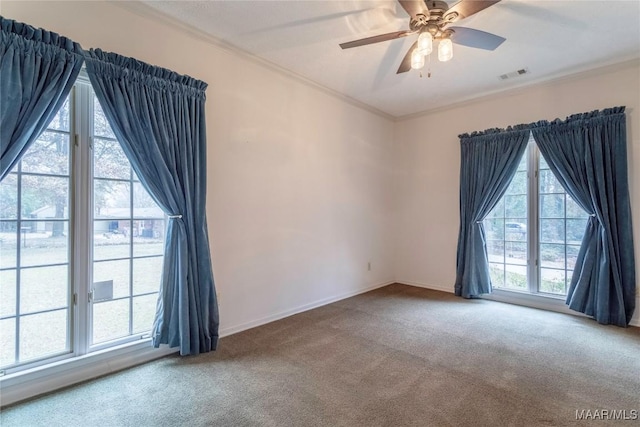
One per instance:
(430,19)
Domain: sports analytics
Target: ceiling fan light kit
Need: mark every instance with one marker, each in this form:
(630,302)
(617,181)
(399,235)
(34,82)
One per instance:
(425,43)
(430,19)
(445,50)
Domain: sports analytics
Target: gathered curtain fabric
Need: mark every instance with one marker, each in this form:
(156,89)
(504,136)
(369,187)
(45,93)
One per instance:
(158,118)
(37,71)
(489,160)
(587,153)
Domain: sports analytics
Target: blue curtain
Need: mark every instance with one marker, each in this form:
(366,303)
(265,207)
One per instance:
(158,117)
(588,155)
(37,71)
(489,161)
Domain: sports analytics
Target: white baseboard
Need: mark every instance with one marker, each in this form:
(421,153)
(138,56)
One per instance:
(230,330)
(535,301)
(47,378)
(635,320)
(448,289)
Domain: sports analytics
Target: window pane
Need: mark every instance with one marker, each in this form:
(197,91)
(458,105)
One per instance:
(519,183)
(543,162)
(101,126)
(551,230)
(495,250)
(43,334)
(552,281)
(573,210)
(516,277)
(127,225)
(516,229)
(111,239)
(7,341)
(552,255)
(44,288)
(146,275)
(8,243)
(61,120)
(497,211)
(496,271)
(9,197)
(143,204)
(575,230)
(522,166)
(548,183)
(515,206)
(150,238)
(572,255)
(552,206)
(116,272)
(516,252)
(44,242)
(111,199)
(144,311)
(494,228)
(7,293)
(45,197)
(109,161)
(49,154)
(110,320)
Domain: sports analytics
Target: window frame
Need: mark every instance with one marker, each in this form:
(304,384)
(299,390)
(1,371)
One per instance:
(534,266)
(80,256)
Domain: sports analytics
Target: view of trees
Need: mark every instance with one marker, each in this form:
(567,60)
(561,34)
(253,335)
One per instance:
(35,207)
(561,225)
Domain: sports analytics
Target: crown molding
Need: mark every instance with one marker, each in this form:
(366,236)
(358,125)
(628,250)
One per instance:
(143,10)
(573,74)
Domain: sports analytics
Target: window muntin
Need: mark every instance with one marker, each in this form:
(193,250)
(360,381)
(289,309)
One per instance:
(553,232)
(128,242)
(35,244)
(562,225)
(47,214)
(506,231)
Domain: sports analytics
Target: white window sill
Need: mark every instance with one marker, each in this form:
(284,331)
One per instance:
(540,301)
(46,378)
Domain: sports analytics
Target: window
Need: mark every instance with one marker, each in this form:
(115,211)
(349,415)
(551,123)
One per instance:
(80,264)
(535,231)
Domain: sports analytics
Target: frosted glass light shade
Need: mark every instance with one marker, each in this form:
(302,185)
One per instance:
(425,43)
(445,50)
(417,59)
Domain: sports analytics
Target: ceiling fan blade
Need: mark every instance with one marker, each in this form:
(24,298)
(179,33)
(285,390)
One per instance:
(405,65)
(466,8)
(414,7)
(475,38)
(376,39)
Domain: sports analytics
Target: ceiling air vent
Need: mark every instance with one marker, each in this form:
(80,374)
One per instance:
(517,73)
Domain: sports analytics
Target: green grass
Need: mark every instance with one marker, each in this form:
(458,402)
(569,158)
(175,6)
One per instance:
(47,288)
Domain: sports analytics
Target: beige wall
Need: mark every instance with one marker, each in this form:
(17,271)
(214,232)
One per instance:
(299,181)
(304,189)
(428,162)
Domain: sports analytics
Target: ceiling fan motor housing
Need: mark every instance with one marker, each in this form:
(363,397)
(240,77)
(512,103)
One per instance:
(435,20)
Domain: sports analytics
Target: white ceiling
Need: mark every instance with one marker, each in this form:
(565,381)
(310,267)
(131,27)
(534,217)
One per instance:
(550,38)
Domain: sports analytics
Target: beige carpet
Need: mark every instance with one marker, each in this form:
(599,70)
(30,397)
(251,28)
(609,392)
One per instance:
(397,356)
